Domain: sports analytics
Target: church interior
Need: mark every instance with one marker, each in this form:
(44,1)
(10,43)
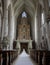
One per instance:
(24,32)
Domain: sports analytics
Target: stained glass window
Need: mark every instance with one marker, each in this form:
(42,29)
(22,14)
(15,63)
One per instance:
(24,14)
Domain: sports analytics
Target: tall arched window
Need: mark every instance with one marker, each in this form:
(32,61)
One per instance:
(24,14)
(42,16)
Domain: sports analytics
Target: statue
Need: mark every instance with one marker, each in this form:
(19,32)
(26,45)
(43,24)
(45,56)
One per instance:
(44,44)
(5,42)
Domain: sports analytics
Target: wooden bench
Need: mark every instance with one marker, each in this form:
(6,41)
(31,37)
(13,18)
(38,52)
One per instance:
(40,56)
(8,56)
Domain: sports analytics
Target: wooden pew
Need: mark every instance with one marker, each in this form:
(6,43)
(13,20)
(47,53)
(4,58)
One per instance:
(8,56)
(34,55)
(38,55)
(46,56)
(0,58)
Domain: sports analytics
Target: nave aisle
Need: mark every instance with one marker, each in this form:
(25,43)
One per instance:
(23,59)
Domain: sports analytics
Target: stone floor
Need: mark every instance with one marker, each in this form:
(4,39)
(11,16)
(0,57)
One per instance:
(23,59)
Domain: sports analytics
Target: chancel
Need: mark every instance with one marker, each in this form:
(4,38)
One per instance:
(24,32)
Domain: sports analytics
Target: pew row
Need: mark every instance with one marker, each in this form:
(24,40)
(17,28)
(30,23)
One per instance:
(41,57)
(8,56)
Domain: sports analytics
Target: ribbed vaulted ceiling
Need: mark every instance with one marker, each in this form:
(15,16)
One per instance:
(28,5)
(20,5)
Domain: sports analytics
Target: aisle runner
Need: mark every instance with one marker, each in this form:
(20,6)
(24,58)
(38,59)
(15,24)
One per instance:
(23,59)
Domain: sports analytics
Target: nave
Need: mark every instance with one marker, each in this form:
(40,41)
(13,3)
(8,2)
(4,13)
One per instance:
(35,57)
(24,24)
(24,59)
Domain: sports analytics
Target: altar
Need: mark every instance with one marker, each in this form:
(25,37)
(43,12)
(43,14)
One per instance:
(24,44)
(23,40)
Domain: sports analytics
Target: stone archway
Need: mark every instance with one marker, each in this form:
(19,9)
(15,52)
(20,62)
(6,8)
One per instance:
(30,10)
(31,13)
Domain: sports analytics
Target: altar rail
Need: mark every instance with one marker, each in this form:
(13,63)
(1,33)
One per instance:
(42,57)
(8,56)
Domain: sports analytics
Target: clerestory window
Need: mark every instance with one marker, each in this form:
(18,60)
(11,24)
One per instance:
(24,14)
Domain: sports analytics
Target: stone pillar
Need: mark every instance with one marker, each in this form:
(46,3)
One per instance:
(0,24)
(5,18)
(11,26)
(38,22)
(5,22)
(0,28)
(0,18)
(47,35)
(33,28)
(46,8)
(36,33)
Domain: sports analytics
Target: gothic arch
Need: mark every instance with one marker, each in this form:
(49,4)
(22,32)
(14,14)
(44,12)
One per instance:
(30,13)
(21,8)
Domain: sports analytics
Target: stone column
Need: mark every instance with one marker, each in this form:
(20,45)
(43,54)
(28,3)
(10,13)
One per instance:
(5,22)
(0,28)
(0,18)
(11,26)
(47,35)
(46,8)
(5,18)
(33,28)
(38,23)
(0,24)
